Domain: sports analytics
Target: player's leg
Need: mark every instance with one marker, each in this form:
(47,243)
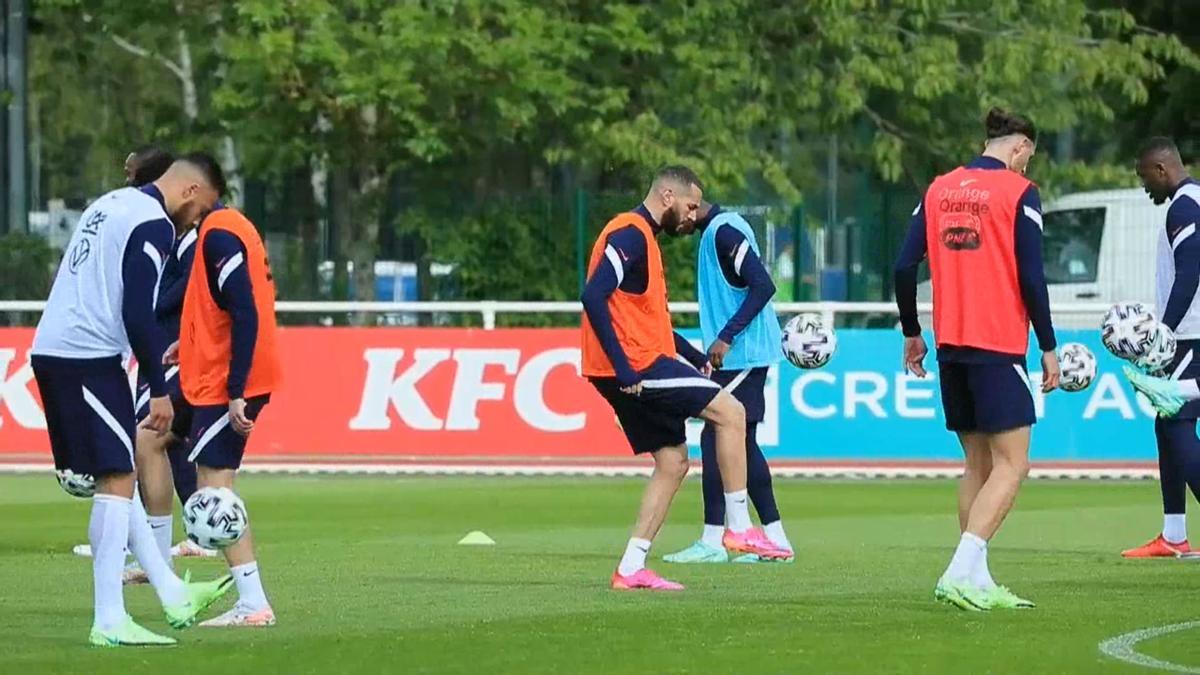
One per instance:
(977,455)
(670,468)
(89,415)
(183,472)
(728,417)
(1173,488)
(992,402)
(154,484)
(708,549)
(218,452)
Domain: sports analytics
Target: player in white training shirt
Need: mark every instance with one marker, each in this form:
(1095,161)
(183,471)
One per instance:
(101,307)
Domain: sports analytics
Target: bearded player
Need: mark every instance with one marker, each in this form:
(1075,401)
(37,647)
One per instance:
(629,356)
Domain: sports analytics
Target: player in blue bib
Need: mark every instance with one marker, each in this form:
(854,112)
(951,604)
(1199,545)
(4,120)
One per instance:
(741,331)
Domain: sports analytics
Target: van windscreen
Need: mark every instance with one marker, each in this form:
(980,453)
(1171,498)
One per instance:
(1071,244)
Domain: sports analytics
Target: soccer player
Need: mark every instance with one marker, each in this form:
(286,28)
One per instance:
(101,306)
(1178,279)
(739,325)
(629,356)
(981,228)
(152,450)
(162,458)
(228,367)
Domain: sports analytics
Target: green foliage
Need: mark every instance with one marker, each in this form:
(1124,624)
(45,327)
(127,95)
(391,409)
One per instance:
(26,265)
(400,109)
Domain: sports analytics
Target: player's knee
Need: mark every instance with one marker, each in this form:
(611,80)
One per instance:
(729,413)
(672,465)
(1019,467)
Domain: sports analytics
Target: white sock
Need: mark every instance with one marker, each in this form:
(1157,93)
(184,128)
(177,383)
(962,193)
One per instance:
(1190,389)
(107,531)
(737,510)
(1174,528)
(981,576)
(249,586)
(776,535)
(162,526)
(634,559)
(713,535)
(970,548)
(145,550)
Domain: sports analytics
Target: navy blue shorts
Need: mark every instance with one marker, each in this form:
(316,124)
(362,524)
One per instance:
(1186,366)
(183,409)
(748,387)
(986,397)
(215,444)
(89,413)
(672,392)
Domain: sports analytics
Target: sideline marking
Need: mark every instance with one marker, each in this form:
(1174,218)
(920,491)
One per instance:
(1121,647)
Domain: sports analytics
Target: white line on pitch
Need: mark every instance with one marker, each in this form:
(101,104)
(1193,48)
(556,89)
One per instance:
(1121,647)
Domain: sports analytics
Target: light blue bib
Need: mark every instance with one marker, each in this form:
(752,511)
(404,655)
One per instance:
(759,344)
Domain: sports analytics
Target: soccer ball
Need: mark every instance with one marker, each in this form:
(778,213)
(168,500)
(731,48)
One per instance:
(215,517)
(79,485)
(1161,351)
(1128,330)
(1078,365)
(808,342)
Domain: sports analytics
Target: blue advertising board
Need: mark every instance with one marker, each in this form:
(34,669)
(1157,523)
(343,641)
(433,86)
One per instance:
(862,406)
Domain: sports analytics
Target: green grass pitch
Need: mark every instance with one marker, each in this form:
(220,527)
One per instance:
(365,576)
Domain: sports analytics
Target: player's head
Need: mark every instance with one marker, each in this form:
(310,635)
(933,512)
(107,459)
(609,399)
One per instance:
(1011,138)
(1160,167)
(191,186)
(674,199)
(146,164)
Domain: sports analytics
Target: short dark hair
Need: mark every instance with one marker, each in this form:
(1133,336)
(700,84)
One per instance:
(680,173)
(207,165)
(1158,145)
(152,162)
(1000,123)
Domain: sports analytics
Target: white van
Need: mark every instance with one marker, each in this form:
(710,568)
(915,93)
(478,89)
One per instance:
(1098,248)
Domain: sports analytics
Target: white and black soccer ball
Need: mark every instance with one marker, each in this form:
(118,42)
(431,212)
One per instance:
(80,485)
(807,342)
(215,517)
(1078,365)
(1160,353)
(1128,329)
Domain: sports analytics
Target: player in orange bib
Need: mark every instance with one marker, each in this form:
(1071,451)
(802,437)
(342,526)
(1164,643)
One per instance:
(981,228)
(630,356)
(228,368)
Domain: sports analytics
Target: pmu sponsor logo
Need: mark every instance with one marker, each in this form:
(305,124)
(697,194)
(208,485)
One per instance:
(480,375)
(960,231)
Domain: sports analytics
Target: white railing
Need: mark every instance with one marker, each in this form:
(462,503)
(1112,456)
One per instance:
(488,310)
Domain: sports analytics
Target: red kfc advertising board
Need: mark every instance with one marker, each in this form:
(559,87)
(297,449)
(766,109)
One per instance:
(391,392)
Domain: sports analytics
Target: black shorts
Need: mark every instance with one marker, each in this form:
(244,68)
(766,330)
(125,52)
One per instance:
(89,413)
(748,387)
(183,410)
(986,397)
(1186,366)
(215,444)
(672,392)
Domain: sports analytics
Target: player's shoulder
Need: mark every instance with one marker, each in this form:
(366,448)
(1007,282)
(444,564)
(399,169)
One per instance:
(1186,202)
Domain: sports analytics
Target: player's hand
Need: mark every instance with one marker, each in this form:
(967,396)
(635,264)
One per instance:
(237,417)
(915,351)
(171,356)
(707,369)
(717,352)
(1051,373)
(162,413)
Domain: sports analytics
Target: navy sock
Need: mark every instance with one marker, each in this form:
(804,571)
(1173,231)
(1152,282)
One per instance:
(758,478)
(183,472)
(714,490)
(1170,481)
(1183,459)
